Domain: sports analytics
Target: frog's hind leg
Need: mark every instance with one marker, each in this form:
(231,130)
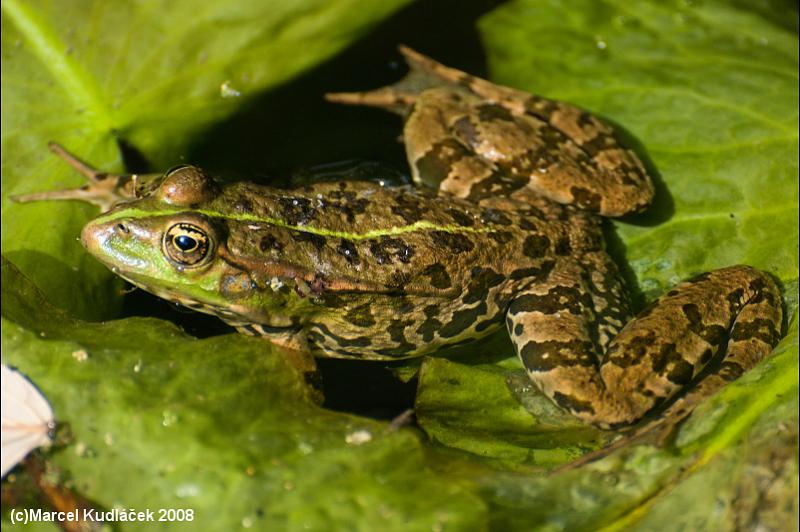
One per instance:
(577,159)
(103,189)
(733,312)
(424,73)
(472,138)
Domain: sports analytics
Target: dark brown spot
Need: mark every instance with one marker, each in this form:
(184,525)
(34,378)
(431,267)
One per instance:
(466,131)
(409,208)
(537,274)
(759,328)
(563,246)
(349,251)
(552,354)
(536,246)
(317,240)
(388,249)
(428,328)
(558,298)
(297,211)
(321,330)
(462,319)
(482,280)
(586,199)
(396,332)
(455,242)
(572,404)
(269,242)
(490,321)
(436,164)
(488,112)
(439,278)
(496,184)
(681,372)
(730,370)
(633,351)
(360,316)
(501,237)
(461,218)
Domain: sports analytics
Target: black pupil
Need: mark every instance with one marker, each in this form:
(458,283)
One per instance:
(185,243)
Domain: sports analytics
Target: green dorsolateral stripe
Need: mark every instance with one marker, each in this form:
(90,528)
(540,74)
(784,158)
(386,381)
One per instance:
(391,231)
(52,52)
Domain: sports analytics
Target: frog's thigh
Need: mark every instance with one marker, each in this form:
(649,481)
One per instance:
(438,159)
(654,355)
(554,328)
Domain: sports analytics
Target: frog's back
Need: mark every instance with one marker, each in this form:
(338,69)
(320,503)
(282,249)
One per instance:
(360,236)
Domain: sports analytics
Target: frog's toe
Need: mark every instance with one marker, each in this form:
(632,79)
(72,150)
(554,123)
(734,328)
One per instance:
(102,188)
(388,98)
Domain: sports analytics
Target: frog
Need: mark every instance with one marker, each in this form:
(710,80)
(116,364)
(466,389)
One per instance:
(502,228)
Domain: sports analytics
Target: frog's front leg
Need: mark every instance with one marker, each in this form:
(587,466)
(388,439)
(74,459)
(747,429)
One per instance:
(103,189)
(734,312)
(293,346)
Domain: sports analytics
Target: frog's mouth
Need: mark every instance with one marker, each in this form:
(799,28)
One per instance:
(133,252)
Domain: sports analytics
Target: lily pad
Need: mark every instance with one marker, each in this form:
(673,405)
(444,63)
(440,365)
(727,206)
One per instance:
(222,426)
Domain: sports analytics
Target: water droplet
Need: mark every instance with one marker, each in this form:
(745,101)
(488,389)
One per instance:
(305,448)
(168,418)
(185,491)
(358,437)
(226,90)
(663,264)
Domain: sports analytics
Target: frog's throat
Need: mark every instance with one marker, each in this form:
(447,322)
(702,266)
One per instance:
(421,225)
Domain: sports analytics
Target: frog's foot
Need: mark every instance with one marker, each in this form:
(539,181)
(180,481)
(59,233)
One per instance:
(731,316)
(103,189)
(294,347)
(391,99)
(424,73)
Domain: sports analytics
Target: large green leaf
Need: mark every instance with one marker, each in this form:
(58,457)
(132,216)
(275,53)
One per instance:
(89,74)
(222,426)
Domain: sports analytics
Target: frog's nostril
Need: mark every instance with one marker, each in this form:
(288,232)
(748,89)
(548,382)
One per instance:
(121,229)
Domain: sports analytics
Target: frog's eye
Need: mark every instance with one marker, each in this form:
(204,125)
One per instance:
(187,244)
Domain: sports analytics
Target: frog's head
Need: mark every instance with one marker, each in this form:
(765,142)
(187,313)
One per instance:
(172,243)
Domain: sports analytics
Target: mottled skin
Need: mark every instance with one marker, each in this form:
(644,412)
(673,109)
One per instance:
(503,228)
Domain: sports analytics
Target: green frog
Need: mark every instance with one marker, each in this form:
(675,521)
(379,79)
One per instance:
(503,229)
